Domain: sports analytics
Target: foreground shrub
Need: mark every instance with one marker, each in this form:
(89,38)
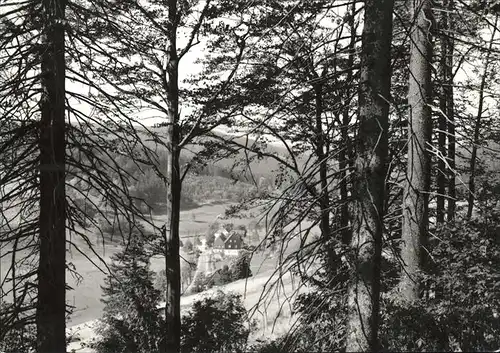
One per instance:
(216,324)
(321,323)
(459,310)
(411,328)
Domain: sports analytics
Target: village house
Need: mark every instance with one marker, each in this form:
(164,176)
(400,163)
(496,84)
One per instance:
(219,242)
(233,244)
(228,245)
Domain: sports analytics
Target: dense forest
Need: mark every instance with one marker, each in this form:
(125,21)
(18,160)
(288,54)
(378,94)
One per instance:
(374,121)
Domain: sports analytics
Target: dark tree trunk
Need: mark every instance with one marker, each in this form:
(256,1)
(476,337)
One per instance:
(51,304)
(172,237)
(345,148)
(371,170)
(416,194)
(477,126)
(324,197)
(172,262)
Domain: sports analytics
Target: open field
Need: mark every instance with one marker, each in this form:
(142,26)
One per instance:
(196,221)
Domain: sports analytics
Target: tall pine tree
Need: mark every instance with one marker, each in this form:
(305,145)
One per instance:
(370,174)
(131,322)
(51,305)
(416,193)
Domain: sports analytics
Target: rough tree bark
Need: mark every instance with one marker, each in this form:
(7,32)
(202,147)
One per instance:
(478,121)
(172,258)
(450,111)
(371,170)
(416,193)
(51,304)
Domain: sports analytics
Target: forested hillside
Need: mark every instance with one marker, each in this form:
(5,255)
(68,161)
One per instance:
(204,182)
(360,138)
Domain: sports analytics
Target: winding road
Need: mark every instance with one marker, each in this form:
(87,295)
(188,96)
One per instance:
(204,266)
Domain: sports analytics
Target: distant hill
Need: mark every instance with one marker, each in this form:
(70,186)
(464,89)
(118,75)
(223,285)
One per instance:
(264,167)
